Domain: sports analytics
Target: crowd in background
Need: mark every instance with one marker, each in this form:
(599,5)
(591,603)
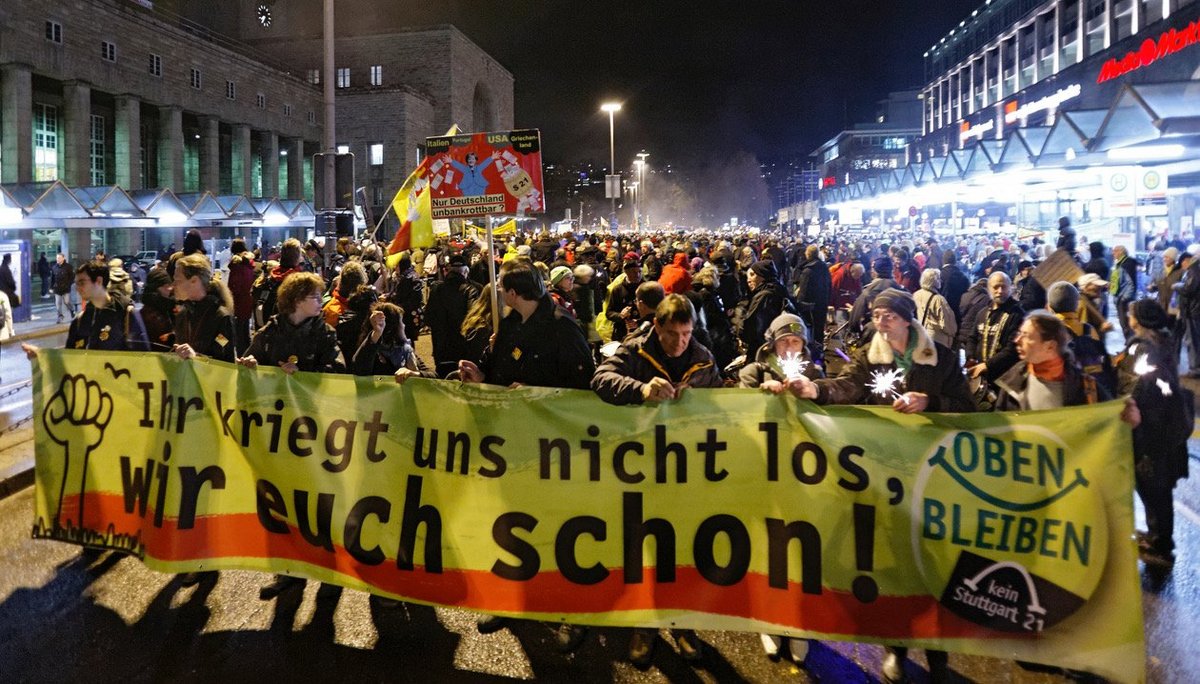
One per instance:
(963,324)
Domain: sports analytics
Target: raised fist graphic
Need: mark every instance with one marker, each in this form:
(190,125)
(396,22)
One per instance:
(75,417)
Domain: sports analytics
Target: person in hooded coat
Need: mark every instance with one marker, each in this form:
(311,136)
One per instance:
(768,299)
(676,277)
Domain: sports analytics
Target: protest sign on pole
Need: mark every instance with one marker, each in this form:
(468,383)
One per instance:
(476,174)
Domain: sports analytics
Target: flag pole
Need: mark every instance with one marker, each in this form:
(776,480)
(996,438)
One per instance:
(492,277)
(379,223)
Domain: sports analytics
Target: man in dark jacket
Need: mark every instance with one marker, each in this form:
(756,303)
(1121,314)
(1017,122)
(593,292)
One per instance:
(1188,291)
(537,344)
(1066,237)
(63,276)
(444,313)
(993,344)
(768,299)
(656,366)
(1122,285)
(881,274)
(107,324)
(954,282)
(621,307)
(814,287)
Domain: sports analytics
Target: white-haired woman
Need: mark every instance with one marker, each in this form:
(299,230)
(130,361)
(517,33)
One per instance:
(933,311)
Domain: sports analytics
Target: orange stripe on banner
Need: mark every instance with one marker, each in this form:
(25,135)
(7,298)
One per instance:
(831,612)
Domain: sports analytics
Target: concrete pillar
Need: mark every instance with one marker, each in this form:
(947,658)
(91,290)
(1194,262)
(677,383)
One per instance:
(241,162)
(210,154)
(127,147)
(269,146)
(295,167)
(75,142)
(16,97)
(79,243)
(170,148)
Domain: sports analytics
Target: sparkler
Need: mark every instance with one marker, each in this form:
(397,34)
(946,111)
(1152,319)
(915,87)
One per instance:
(884,384)
(793,365)
(1142,367)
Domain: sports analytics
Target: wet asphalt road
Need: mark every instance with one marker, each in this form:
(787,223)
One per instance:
(64,618)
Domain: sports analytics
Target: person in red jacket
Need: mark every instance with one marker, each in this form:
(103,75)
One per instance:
(676,277)
(241,281)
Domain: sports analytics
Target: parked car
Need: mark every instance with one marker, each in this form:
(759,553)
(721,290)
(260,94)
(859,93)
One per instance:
(148,258)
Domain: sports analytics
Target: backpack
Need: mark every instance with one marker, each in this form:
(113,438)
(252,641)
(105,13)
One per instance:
(263,293)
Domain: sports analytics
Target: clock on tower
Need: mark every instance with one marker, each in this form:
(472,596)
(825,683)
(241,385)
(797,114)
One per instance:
(263,12)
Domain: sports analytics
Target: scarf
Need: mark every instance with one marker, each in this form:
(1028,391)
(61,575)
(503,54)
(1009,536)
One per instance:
(1052,370)
(905,361)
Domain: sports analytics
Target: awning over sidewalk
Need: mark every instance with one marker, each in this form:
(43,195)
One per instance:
(49,205)
(1149,124)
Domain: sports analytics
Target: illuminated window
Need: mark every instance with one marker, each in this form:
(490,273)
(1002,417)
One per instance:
(313,76)
(343,77)
(377,75)
(343,149)
(96,151)
(376,155)
(45,142)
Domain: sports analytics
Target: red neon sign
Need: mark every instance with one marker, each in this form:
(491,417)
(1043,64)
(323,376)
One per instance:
(1168,43)
(828,181)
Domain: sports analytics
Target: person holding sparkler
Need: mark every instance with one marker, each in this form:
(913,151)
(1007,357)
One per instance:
(901,366)
(783,358)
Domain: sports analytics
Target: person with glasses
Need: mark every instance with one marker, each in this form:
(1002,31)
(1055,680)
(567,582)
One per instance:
(932,380)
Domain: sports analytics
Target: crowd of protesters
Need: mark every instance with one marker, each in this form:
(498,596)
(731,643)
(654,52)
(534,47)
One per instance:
(968,326)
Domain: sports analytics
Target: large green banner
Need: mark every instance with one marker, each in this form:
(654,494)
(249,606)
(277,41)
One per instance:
(1008,534)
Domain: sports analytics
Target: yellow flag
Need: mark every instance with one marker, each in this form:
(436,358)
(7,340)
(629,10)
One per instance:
(413,208)
(509,227)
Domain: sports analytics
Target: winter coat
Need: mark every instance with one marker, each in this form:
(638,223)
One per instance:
(543,250)
(1154,453)
(845,288)
(994,339)
(676,278)
(765,366)
(1079,388)
(766,302)
(208,324)
(547,350)
(971,306)
(408,293)
(158,315)
(621,294)
(954,285)
(936,316)
(114,327)
(312,345)
(63,277)
(1189,292)
(720,330)
(445,310)
(619,380)
(860,315)
(814,287)
(241,282)
(354,317)
(380,358)
(935,372)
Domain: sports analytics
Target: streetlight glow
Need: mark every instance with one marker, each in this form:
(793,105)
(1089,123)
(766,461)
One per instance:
(610,107)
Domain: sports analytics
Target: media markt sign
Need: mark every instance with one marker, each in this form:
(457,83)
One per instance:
(1001,529)
(1150,51)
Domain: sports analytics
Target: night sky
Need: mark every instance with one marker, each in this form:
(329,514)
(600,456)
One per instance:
(775,80)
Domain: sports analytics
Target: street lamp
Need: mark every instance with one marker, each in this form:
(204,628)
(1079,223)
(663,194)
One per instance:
(633,190)
(638,164)
(641,168)
(611,108)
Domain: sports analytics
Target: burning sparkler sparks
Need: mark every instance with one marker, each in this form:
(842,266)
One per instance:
(793,365)
(884,383)
(1142,366)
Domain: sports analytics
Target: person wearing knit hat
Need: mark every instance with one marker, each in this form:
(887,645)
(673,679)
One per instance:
(786,339)
(1148,372)
(765,270)
(898,301)
(557,274)
(1087,346)
(1062,297)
